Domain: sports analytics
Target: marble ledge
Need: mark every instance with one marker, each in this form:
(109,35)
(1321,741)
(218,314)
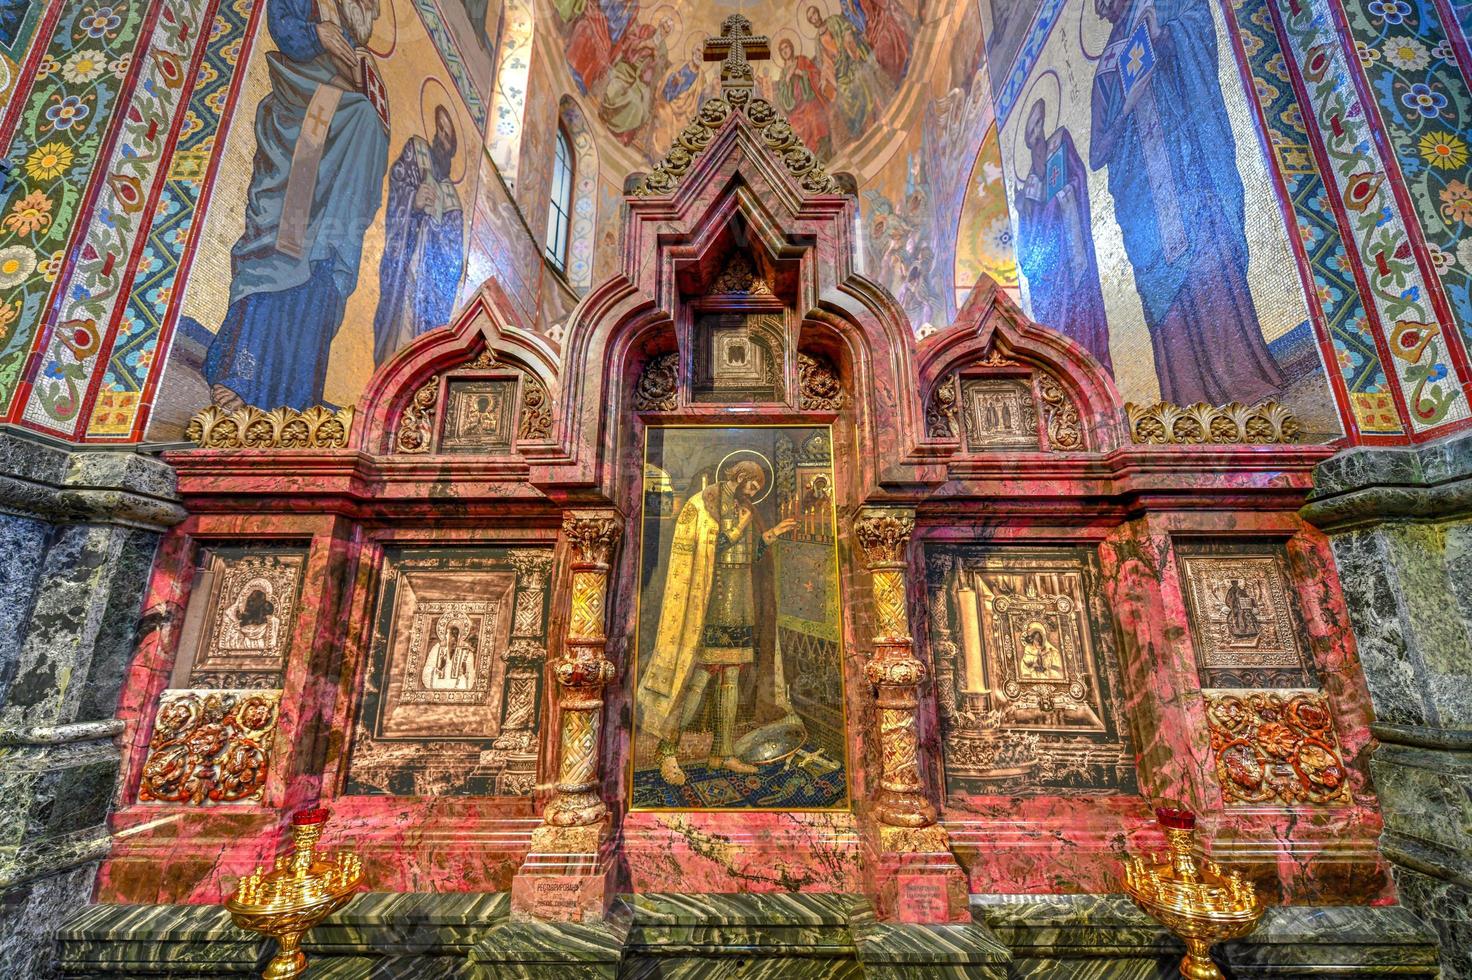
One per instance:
(1367,483)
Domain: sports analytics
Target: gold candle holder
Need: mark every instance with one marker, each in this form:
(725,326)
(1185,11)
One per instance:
(1191,896)
(303,889)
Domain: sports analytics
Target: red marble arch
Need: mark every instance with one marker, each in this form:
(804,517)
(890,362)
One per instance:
(990,322)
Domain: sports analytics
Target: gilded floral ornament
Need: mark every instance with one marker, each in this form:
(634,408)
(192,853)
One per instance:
(281,428)
(1166,424)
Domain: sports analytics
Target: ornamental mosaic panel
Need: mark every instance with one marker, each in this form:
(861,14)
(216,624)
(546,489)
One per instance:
(210,748)
(1243,625)
(738,681)
(1026,672)
(451,696)
(250,603)
(1276,748)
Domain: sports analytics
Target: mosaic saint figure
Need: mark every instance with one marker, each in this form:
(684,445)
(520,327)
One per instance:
(639,58)
(805,96)
(887,36)
(1055,243)
(316,183)
(860,85)
(1160,126)
(424,241)
(589,44)
(679,97)
(708,633)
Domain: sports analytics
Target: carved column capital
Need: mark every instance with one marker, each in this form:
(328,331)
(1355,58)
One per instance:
(593,535)
(882,534)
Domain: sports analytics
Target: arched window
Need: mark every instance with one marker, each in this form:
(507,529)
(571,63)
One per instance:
(559,207)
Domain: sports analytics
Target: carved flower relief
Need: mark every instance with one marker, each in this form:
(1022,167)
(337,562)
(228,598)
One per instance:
(1275,747)
(818,384)
(655,390)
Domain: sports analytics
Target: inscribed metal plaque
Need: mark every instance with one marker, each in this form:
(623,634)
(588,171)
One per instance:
(1241,616)
(480,416)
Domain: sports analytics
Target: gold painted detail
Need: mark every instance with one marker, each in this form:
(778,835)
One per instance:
(302,889)
(281,428)
(536,412)
(739,277)
(1276,748)
(210,748)
(818,384)
(1060,414)
(942,420)
(655,389)
(583,671)
(734,46)
(1192,896)
(883,533)
(1166,424)
(995,358)
(416,423)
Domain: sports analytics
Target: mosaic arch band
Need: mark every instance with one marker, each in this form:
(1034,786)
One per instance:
(738,699)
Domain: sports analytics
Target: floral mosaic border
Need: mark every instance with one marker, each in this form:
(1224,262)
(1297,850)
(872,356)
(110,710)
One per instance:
(141,331)
(1400,300)
(92,294)
(1425,109)
(1335,294)
(58,139)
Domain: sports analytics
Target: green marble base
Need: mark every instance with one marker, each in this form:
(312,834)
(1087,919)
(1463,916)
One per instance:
(739,937)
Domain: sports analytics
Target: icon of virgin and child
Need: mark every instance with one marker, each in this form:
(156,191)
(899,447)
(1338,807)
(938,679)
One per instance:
(714,665)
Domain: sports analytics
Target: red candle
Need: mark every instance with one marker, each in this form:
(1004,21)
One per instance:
(308,816)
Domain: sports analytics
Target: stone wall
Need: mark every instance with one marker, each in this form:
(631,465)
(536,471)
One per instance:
(1400,522)
(78,530)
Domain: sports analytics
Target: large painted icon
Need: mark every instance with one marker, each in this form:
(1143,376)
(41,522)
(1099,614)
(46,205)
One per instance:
(739,683)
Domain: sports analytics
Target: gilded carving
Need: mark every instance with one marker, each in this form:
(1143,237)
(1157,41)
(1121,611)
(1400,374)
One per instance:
(739,277)
(942,420)
(281,428)
(1167,424)
(592,534)
(818,384)
(535,424)
(416,422)
(210,748)
(883,534)
(1060,415)
(1276,747)
(655,389)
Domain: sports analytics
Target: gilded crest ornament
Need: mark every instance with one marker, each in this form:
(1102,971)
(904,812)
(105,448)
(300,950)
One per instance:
(282,428)
(1166,424)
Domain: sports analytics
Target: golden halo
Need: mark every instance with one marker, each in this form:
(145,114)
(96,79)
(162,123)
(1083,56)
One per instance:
(1021,159)
(376,43)
(787,34)
(806,30)
(1091,25)
(660,13)
(427,105)
(771,473)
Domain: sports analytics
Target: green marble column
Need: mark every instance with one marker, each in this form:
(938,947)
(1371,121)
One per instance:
(1400,522)
(78,531)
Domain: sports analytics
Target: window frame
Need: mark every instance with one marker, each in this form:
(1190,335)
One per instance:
(558,245)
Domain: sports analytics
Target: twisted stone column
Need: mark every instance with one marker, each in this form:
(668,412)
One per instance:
(583,671)
(915,877)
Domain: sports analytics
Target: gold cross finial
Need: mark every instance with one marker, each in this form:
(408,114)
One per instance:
(735,45)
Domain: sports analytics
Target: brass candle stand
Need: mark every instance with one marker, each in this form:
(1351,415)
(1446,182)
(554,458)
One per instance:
(303,889)
(1191,896)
